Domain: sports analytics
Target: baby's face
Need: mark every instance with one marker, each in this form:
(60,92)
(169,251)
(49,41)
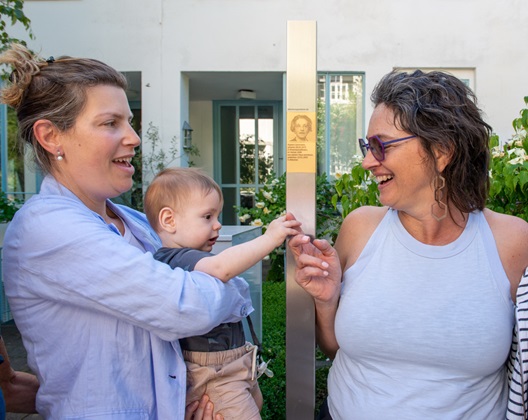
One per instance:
(197,224)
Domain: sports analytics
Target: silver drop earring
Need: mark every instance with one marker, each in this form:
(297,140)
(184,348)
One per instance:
(59,156)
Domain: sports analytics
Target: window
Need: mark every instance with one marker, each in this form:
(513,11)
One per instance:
(340,116)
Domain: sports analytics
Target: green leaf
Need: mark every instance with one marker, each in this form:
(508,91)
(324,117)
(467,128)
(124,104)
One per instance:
(494,140)
(334,201)
(523,178)
(525,118)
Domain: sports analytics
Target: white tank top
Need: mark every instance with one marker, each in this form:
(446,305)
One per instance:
(424,331)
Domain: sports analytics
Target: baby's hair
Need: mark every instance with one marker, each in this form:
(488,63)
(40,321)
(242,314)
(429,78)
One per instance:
(53,90)
(172,187)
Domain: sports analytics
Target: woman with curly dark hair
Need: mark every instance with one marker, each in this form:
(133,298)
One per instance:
(415,303)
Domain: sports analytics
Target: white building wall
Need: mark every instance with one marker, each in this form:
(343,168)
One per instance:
(201,113)
(162,38)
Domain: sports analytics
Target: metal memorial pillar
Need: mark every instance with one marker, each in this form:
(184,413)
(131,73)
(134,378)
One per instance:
(301,129)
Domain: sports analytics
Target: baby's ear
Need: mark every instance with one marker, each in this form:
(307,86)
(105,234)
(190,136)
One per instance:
(167,220)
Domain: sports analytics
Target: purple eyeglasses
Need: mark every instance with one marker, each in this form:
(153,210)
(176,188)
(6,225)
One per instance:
(377,147)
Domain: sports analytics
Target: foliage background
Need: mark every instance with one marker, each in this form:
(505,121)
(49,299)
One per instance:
(11,14)
(509,170)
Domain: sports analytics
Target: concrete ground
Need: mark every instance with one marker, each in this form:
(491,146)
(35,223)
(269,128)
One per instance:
(17,356)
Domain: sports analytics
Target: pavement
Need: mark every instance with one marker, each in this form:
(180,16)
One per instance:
(18,359)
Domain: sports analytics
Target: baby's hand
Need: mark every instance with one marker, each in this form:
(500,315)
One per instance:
(282,227)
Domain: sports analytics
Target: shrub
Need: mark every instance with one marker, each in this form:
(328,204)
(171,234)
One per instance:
(334,197)
(509,170)
(274,350)
(8,207)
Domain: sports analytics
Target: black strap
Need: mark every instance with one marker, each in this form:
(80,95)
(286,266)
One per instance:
(256,341)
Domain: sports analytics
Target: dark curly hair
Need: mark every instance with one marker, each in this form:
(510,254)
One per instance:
(442,111)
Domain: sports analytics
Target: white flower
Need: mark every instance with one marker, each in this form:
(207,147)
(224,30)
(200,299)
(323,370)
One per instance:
(268,195)
(362,186)
(275,181)
(266,210)
(260,205)
(516,161)
(518,152)
(257,222)
(244,217)
(497,155)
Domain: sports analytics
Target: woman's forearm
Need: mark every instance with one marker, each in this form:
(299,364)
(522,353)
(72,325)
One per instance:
(324,328)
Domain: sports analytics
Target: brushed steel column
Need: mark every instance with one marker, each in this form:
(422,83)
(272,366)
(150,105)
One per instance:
(301,107)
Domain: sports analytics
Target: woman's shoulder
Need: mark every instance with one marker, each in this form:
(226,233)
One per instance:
(506,224)
(510,232)
(511,238)
(365,217)
(356,230)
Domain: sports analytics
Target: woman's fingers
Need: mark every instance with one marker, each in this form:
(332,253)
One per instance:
(201,410)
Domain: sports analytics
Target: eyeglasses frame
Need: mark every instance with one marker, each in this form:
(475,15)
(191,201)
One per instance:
(365,147)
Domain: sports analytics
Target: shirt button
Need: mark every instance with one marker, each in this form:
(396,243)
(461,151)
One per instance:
(243,311)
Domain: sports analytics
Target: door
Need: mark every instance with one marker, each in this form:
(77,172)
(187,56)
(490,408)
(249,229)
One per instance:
(247,151)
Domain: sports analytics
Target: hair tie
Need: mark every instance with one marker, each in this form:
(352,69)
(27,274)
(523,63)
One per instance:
(50,60)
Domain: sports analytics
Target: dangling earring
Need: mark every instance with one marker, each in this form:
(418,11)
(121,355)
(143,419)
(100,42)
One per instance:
(439,185)
(59,156)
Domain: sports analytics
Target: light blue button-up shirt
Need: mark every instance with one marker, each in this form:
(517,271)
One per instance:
(99,318)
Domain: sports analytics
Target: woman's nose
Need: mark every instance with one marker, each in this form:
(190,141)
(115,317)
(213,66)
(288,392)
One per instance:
(369,161)
(133,137)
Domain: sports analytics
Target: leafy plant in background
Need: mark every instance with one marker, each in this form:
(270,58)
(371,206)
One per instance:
(509,170)
(274,348)
(354,189)
(11,14)
(335,198)
(12,11)
(269,203)
(8,207)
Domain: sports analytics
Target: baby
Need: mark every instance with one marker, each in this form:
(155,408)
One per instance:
(183,206)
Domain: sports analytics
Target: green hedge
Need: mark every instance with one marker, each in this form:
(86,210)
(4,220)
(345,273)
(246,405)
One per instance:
(274,349)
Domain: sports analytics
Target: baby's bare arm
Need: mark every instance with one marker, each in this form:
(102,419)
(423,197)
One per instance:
(239,258)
